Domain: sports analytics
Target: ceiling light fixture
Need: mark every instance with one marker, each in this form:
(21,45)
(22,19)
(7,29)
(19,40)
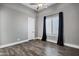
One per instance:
(40,5)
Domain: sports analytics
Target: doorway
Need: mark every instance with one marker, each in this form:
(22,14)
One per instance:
(31,28)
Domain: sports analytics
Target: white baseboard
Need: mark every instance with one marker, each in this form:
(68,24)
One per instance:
(66,44)
(71,45)
(52,41)
(11,44)
(14,43)
(37,37)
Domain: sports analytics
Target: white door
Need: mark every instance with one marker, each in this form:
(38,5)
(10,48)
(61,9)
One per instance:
(31,28)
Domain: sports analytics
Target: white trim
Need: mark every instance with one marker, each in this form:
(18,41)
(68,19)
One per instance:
(52,41)
(66,44)
(37,37)
(11,44)
(71,45)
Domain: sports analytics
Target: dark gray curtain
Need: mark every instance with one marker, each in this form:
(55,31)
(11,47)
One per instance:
(60,30)
(44,37)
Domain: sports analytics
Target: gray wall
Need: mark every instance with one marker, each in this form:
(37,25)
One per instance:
(14,23)
(0,23)
(71,21)
(36,26)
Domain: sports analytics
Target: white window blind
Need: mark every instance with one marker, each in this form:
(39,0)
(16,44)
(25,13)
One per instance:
(52,23)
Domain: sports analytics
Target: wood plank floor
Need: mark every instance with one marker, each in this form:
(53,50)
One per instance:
(38,48)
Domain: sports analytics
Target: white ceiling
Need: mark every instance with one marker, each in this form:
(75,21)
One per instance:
(34,6)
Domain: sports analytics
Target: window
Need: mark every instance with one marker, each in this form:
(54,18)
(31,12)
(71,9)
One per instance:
(52,25)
